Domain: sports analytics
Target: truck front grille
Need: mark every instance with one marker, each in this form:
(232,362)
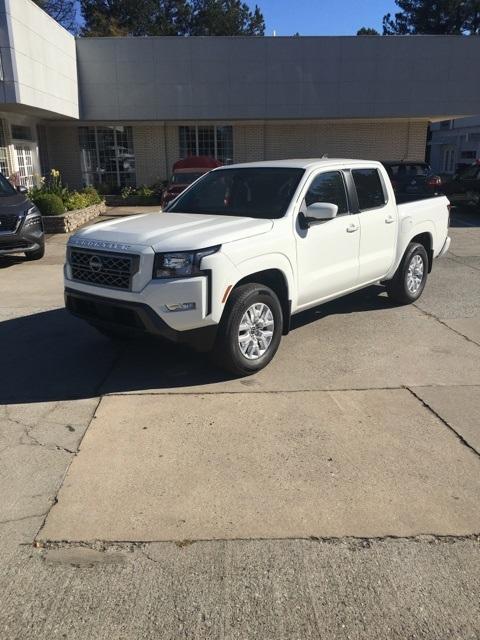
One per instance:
(8,223)
(101,269)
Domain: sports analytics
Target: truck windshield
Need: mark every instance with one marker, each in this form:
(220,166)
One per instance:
(6,188)
(263,192)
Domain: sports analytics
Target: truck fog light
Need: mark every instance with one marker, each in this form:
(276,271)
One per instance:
(180,306)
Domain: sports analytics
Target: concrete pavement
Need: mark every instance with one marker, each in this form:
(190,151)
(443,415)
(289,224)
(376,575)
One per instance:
(363,433)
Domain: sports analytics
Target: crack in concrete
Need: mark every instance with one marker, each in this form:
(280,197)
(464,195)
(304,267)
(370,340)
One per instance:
(458,260)
(356,541)
(442,322)
(27,429)
(62,480)
(34,515)
(445,422)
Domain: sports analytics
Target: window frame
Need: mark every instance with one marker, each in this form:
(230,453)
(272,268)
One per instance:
(309,183)
(101,156)
(386,195)
(196,128)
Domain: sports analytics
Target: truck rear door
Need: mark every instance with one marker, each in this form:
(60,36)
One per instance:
(378,218)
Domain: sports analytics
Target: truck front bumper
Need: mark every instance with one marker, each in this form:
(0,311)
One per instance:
(136,317)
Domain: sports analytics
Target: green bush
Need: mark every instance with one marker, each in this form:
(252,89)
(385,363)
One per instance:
(92,195)
(76,200)
(49,204)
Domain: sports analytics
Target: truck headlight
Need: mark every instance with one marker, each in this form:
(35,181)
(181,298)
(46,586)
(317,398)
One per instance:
(180,264)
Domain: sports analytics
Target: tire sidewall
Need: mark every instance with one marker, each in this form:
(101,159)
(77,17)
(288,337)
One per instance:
(235,314)
(415,249)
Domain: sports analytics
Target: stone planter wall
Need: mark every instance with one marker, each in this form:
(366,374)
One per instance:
(133,201)
(71,220)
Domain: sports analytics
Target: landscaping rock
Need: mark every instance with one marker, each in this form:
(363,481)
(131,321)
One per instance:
(71,220)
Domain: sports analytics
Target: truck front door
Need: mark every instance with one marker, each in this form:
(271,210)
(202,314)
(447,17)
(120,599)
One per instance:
(328,251)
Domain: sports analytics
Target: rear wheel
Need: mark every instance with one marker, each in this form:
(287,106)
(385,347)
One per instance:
(250,330)
(409,280)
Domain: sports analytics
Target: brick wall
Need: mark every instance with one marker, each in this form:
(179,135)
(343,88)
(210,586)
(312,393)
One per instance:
(150,157)
(379,140)
(157,146)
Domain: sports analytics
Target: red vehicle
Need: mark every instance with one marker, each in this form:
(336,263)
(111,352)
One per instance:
(185,172)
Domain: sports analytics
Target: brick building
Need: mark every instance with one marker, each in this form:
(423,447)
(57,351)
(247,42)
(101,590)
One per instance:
(120,111)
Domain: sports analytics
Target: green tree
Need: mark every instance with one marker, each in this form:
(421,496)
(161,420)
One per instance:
(367,31)
(433,17)
(135,18)
(226,18)
(170,18)
(63,11)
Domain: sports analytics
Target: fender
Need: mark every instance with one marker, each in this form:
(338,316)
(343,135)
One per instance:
(406,232)
(277,261)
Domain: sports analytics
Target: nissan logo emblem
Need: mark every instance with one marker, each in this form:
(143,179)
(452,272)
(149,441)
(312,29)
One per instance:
(95,264)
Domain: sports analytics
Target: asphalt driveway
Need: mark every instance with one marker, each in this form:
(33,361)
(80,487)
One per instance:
(333,495)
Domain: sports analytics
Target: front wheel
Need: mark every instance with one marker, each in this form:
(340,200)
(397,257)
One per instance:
(410,278)
(250,330)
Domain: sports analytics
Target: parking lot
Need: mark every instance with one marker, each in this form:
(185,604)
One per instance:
(335,494)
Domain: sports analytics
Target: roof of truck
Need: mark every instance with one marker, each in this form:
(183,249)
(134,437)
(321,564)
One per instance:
(302,163)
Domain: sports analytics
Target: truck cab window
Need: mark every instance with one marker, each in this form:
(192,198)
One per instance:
(369,189)
(328,187)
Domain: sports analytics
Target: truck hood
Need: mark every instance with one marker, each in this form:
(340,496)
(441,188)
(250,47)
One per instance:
(174,231)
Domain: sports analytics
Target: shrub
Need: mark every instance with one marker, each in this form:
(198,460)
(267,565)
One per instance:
(92,195)
(49,204)
(144,191)
(127,192)
(76,200)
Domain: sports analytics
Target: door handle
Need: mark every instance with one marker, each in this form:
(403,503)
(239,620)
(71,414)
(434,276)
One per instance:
(352,228)
(389,219)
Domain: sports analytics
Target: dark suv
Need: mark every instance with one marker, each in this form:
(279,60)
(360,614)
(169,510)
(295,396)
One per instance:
(21,228)
(413,180)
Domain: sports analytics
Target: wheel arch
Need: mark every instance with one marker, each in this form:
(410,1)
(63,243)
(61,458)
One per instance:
(275,279)
(425,238)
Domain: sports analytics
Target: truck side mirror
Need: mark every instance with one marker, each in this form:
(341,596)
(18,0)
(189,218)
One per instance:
(318,211)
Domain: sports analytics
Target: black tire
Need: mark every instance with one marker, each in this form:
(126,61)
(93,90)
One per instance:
(397,287)
(226,352)
(35,255)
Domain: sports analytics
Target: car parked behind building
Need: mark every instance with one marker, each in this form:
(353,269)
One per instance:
(185,172)
(412,180)
(21,228)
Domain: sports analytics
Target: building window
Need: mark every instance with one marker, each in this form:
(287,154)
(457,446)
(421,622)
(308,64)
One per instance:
(209,140)
(25,164)
(449,159)
(445,124)
(21,132)
(107,157)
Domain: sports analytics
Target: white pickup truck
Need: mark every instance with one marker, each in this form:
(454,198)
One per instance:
(247,246)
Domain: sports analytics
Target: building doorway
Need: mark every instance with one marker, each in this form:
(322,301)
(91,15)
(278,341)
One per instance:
(26,172)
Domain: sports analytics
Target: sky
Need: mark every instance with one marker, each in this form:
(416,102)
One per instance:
(327,17)
(320,17)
